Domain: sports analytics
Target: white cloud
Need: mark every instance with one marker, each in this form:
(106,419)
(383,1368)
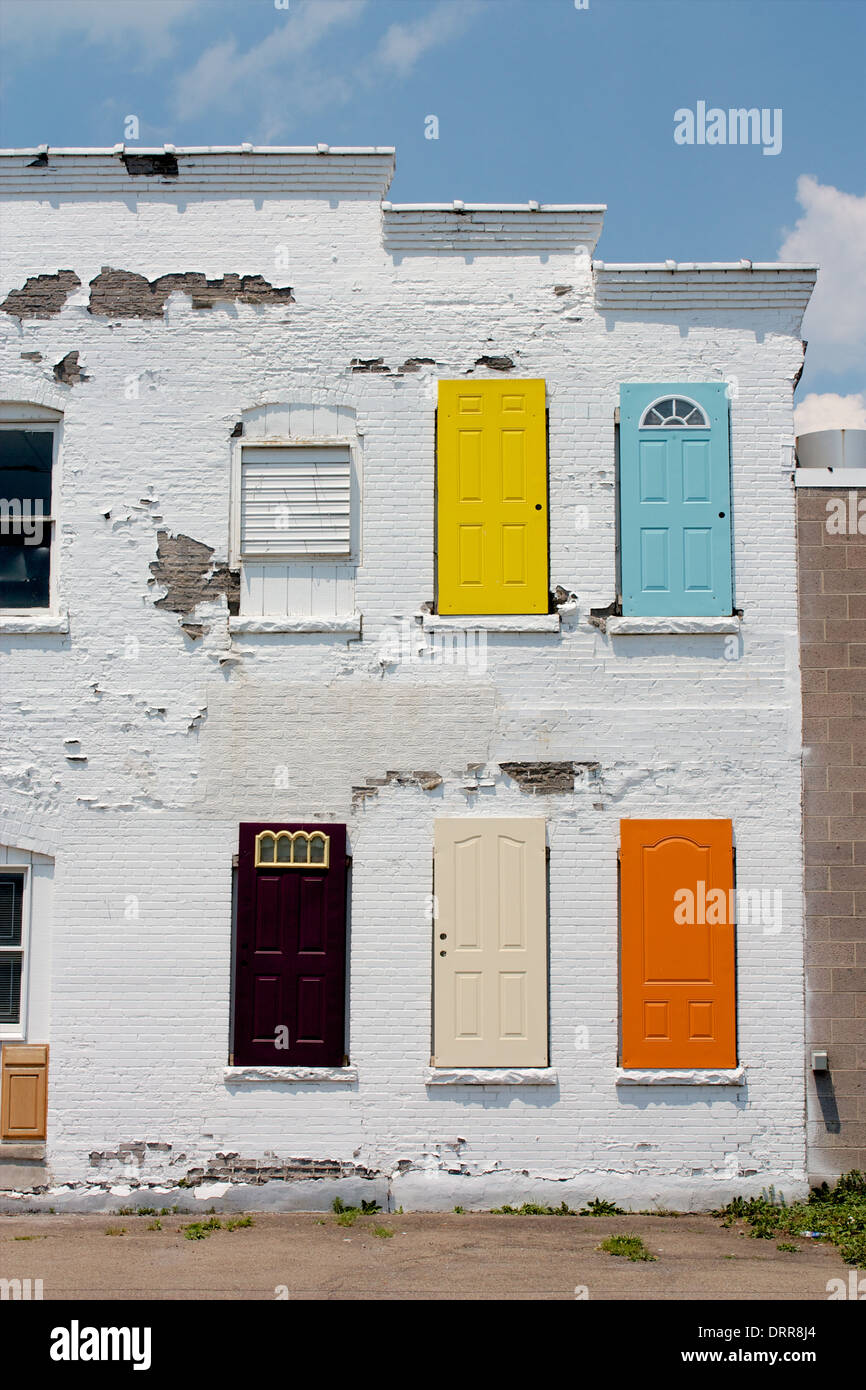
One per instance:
(280,79)
(832,231)
(274,76)
(147,23)
(404,44)
(830,412)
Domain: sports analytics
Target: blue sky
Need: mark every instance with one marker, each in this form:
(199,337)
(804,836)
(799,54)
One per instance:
(534,99)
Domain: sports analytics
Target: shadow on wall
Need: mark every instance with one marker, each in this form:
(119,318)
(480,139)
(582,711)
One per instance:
(827,1101)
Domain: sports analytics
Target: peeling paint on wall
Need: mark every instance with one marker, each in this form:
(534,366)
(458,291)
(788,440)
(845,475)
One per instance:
(68,370)
(122,294)
(496,364)
(414,364)
(541,778)
(368,364)
(185,567)
(427,781)
(41,296)
(229,1167)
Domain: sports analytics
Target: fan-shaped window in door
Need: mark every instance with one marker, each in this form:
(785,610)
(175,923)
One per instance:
(292,849)
(674,412)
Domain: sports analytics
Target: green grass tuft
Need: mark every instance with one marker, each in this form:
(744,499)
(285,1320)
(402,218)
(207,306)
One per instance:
(628,1247)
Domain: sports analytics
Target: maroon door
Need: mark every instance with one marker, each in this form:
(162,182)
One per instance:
(290,974)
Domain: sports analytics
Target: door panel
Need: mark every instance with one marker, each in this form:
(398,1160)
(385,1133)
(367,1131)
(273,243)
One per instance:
(675,506)
(492,497)
(678,968)
(290,953)
(490,943)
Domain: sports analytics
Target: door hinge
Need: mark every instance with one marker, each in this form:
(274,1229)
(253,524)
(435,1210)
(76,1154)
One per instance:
(231,1059)
(432,1061)
(345,1059)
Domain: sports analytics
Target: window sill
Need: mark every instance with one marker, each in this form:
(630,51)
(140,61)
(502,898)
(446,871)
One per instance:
(34,622)
(350,624)
(290,1076)
(838,478)
(485,622)
(686,1076)
(633,627)
(490,1076)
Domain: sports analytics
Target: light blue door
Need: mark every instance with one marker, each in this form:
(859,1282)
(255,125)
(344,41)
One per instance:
(675,500)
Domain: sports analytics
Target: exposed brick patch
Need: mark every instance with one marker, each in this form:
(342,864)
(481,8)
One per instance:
(562,289)
(427,781)
(368,364)
(541,778)
(232,1168)
(41,296)
(496,364)
(68,370)
(31,356)
(185,567)
(414,364)
(122,294)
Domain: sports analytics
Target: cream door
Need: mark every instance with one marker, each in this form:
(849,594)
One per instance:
(490,943)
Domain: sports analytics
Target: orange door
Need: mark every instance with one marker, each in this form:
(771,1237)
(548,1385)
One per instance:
(677,944)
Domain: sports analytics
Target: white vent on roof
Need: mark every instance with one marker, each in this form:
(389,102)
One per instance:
(295,501)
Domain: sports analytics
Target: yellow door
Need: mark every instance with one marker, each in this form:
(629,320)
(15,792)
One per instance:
(490,943)
(492,497)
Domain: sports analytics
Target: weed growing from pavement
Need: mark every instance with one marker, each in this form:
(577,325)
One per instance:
(599,1207)
(629,1247)
(347,1216)
(200,1230)
(382,1232)
(115,1230)
(836,1215)
(533,1209)
(786,1246)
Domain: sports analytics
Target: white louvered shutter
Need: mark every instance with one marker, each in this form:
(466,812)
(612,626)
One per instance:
(296,502)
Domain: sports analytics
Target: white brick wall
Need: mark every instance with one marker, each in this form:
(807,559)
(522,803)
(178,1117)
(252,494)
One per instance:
(180,747)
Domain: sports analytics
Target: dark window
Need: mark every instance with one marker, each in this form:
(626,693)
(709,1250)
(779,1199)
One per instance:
(25,517)
(11,896)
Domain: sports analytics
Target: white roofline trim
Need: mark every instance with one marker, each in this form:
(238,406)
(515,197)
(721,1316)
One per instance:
(739,266)
(116,150)
(497,207)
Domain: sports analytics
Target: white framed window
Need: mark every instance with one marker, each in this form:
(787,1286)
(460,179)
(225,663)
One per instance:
(296,511)
(28,490)
(674,412)
(14,943)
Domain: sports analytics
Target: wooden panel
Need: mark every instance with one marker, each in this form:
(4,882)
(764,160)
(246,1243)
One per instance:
(490,943)
(23,1091)
(678,953)
(492,497)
